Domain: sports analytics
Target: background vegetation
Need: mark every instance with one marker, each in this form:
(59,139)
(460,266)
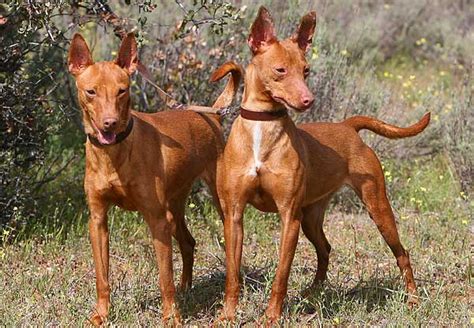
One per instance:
(391,59)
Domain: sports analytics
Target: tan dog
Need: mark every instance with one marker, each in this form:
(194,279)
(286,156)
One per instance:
(142,162)
(278,167)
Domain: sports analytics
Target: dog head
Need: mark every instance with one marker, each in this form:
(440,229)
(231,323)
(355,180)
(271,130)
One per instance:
(281,66)
(103,88)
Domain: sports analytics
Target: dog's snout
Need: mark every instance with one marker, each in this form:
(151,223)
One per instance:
(307,100)
(110,123)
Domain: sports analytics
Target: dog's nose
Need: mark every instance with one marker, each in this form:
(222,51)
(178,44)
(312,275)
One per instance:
(307,101)
(110,123)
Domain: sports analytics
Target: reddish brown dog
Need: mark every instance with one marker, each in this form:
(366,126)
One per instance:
(142,162)
(278,167)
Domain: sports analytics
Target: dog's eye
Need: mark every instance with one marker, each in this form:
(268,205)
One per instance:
(280,70)
(121,91)
(306,71)
(90,92)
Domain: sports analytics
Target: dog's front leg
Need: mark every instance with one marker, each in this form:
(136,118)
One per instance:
(290,226)
(233,235)
(161,229)
(99,236)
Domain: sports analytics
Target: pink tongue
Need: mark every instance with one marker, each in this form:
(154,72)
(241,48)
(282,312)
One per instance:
(106,138)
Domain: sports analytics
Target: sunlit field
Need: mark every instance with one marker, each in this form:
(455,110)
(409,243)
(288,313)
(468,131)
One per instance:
(394,60)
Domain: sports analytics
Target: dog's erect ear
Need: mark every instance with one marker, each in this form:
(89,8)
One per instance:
(128,54)
(79,57)
(262,32)
(304,34)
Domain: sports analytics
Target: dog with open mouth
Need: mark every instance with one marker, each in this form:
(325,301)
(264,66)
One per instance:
(143,162)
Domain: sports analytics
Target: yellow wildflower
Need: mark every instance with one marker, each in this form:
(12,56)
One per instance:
(315,54)
(420,41)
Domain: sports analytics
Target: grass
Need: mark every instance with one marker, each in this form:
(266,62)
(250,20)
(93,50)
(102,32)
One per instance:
(384,60)
(48,280)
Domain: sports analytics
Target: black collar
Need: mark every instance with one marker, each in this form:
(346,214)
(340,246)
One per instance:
(118,139)
(262,116)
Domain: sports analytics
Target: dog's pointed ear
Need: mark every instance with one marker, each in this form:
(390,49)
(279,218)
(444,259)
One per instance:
(262,32)
(79,57)
(304,35)
(128,54)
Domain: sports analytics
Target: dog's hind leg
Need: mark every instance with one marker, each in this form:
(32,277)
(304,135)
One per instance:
(209,177)
(367,179)
(160,223)
(185,241)
(312,224)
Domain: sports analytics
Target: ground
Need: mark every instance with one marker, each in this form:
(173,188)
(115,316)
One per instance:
(50,281)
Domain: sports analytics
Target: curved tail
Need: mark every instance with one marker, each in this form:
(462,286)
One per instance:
(225,98)
(385,129)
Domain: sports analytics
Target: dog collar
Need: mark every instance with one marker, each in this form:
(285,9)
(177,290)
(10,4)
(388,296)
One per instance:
(118,139)
(262,116)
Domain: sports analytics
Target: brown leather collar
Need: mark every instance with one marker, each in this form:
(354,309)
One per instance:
(118,139)
(262,116)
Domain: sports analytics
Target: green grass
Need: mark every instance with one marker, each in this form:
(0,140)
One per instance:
(49,279)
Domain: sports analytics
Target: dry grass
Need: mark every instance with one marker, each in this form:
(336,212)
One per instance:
(50,281)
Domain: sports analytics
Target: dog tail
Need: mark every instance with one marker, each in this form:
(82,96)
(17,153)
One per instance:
(385,129)
(225,98)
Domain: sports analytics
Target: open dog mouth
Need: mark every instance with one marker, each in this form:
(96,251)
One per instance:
(104,137)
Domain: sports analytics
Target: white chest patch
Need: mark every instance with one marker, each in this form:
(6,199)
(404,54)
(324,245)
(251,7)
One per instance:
(257,141)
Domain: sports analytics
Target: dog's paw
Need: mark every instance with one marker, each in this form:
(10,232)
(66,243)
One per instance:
(228,313)
(225,317)
(315,287)
(413,301)
(97,320)
(270,321)
(172,319)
